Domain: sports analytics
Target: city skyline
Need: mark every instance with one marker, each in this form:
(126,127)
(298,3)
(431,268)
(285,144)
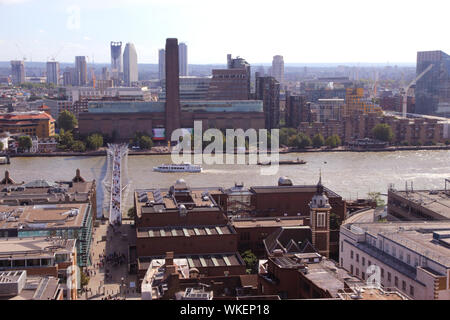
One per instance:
(65,36)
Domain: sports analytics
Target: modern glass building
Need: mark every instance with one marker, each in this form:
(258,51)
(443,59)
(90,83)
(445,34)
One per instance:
(191,88)
(433,89)
(130,65)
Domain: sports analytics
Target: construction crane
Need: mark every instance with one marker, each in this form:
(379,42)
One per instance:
(405,94)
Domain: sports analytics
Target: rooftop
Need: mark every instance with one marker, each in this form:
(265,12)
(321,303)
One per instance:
(38,217)
(187,231)
(268,222)
(35,247)
(437,201)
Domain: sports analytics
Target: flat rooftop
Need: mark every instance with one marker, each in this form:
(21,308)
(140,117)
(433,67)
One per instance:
(185,231)
(437,201)
(46,216)
(291,189)
(270,222)
(416,236)
(373,294)
(34,247)
(199,261)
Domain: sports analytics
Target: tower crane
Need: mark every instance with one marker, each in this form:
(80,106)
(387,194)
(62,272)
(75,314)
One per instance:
(406,89)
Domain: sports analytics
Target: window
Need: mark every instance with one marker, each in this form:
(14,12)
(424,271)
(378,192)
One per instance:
(363,261)
(363,275)
(382,272)
(396,281)
(403,285)
(351,254)
(411,291)
(389,276)
(351,269)
(369,263)
(357,272)
(357,257)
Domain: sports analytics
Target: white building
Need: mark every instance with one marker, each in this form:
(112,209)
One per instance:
(122,93)
(414,257)
(278,68)
(130,65)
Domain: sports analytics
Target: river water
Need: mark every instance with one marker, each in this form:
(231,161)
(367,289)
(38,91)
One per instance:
(350,174)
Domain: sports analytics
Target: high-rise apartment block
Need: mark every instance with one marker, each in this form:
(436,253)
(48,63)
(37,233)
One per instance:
(80,71)
(116,61)
(183,57)
(356,103)
(18,71)
(278,68)
(296,110)
(433,89)
(162,64)
(53,72)
(130,65)
(267,89)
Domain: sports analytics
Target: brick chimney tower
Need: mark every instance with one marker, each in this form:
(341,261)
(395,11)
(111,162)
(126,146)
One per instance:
(173,111)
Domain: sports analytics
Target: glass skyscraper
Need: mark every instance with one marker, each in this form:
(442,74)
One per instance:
(433,89)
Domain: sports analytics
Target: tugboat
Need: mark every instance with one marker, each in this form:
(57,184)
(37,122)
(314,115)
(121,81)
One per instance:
(185,167)
(285,162)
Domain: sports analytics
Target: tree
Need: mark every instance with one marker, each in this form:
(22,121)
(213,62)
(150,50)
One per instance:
(67,120)
(251,261)
(333,141)
(1,146)
(78,146)
(335,222)
(84,279)
(25,143)
(285,134)
(302,141)
(131,213)
(94,141)
(383,132)
(376,197)
(145,143)
(318,141)
(65,139)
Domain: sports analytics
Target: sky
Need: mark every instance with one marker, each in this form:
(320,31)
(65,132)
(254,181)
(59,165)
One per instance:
(325,31)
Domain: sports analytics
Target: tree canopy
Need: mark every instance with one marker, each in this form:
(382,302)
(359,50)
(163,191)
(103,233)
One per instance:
(94,141)
(25,143)
(67,120)
(383,132)
(318,141)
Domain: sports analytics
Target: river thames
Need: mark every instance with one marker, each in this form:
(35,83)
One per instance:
(350,174)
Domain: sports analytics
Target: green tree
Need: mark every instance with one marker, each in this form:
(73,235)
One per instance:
(302,141)
(84,279)
(78,146)
(318,141)
(251,261)
(65,139)
(94,141)
(383,132)
(285,134)
(145,143)
(67,120)
(376,197)
(1,146)
(333,141)
(131,213)
(25,143)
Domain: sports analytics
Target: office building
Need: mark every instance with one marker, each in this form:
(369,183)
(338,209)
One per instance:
(297,110)
(267,89)
(32,123)
(191,88)
(162,64)
(116,62)
(278,69)
(17,72)
(327,109)
(69,77)
(80,71)
(105,74)
(433,89)
(413,257)
(172,108)
(229,84)
(183,56)
(53,72)
(416,205)
(130,65)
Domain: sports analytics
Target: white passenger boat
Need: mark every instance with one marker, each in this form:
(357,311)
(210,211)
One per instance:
(184,167)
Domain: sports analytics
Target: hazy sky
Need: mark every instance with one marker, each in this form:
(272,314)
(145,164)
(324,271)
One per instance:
(302,31)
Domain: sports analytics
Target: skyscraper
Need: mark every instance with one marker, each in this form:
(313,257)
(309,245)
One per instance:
(433,89)
(130,66)
(80,71)
(18,71)
(173,110)
(267,89)
(53,72)
(105,74)
(162,63)
(183,59)
(116,61)
(278,68)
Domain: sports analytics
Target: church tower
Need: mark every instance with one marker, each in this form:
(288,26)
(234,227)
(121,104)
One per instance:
(320,210)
